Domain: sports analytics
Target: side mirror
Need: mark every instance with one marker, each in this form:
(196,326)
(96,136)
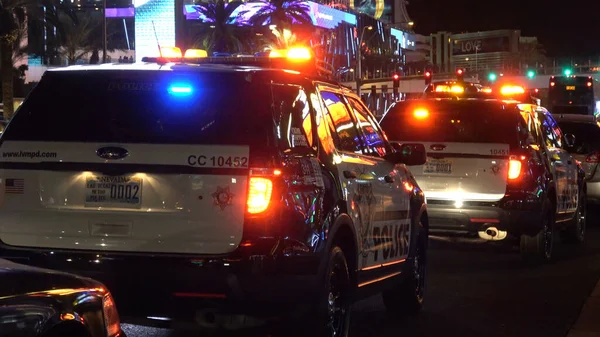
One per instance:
(569,139)
(410,154)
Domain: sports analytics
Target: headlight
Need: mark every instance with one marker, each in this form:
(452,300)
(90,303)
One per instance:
(111,316)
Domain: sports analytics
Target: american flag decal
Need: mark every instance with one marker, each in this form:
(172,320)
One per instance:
(15,186)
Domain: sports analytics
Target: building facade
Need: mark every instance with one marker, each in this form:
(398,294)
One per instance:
(504,51)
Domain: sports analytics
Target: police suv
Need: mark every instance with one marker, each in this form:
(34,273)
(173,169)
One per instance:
(496,166)
(201,188)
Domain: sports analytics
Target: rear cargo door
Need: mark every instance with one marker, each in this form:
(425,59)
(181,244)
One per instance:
(131,162)
(468,145)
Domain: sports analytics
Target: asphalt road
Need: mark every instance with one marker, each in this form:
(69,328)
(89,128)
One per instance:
(481,289)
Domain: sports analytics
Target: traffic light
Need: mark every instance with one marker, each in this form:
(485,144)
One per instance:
(568,72)
(492,77)
(460,74)
(428,76)
(530,74)
(396,79)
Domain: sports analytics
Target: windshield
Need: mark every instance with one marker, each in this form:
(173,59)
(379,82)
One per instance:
(463,122)
(144,107)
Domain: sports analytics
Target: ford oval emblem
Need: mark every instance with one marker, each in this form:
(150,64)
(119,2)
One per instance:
(112,152)
(437,147)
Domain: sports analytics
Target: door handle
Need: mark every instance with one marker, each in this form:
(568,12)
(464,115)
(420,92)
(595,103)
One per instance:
(350,175)
(389,179)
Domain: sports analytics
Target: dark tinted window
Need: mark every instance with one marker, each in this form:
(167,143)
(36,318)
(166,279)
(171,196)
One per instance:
(152,107)
(587,136)
(342,124)
(464,122)
(373,138)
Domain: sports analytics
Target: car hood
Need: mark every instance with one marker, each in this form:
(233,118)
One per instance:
(18,279)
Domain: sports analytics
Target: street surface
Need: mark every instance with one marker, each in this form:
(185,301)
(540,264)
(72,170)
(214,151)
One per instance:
(481,289)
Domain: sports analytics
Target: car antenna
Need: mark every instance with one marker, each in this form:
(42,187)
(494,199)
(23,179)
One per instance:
(157,41)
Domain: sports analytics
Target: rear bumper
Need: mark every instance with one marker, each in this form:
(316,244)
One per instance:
(178,287)
(516,215)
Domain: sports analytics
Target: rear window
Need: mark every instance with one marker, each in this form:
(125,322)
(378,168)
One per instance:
(157,107)
(587,136)
(463,122)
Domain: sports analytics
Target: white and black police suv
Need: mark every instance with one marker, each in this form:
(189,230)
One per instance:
(202,188)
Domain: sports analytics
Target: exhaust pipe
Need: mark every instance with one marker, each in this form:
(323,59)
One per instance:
(493,234)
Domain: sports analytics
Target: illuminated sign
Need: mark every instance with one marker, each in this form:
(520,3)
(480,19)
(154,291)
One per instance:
(322,16)
(405,40)
(481,45)
(378,9)
(127,12)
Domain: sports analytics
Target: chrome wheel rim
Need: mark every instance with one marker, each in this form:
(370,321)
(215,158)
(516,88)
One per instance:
(336,301)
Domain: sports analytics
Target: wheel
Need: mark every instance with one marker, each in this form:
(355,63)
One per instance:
(540,246)
(334,306)
(407,298)
(575,233)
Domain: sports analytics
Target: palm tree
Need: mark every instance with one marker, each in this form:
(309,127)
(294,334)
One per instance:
(12,23)
(221,35)
(282,13)
(77,37)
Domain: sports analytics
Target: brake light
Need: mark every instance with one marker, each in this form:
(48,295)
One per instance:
(593,157)
(515,166)
(589,84)
(111,317)
(260,190)
(514,169)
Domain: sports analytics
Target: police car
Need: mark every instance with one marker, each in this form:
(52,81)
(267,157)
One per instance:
(496,166)
(198,188)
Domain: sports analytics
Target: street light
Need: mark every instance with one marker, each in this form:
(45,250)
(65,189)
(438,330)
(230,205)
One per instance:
(359,59)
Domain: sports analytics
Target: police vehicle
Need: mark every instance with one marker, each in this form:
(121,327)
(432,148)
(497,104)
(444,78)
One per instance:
(496,166)
(199,188)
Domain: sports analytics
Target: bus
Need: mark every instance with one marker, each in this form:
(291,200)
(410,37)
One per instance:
(572,95)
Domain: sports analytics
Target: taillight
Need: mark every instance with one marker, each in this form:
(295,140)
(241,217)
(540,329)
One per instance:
(514,169)
(260,190)
(111,317)
(515,166)
(593,157)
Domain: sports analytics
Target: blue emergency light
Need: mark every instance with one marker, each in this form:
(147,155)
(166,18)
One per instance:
(180,90)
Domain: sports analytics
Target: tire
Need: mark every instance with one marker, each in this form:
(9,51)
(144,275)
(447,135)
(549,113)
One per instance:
(575,233)
(539,248)
(408,297)
(334,306)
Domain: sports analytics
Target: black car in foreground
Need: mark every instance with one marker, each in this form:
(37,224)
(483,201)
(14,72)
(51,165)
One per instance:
(46,303)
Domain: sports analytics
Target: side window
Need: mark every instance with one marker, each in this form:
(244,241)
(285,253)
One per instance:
(343,129)
(321,118)
(550,137)
(373,137)
(292,113)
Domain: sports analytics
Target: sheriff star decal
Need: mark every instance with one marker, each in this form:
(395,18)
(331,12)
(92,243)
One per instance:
(222,197)
(495,169)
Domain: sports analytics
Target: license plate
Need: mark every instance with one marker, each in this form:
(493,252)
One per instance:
(570,87)
(437,166)
(113,191)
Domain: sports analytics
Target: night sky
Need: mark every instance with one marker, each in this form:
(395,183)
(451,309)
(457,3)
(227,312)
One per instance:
(565,28)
